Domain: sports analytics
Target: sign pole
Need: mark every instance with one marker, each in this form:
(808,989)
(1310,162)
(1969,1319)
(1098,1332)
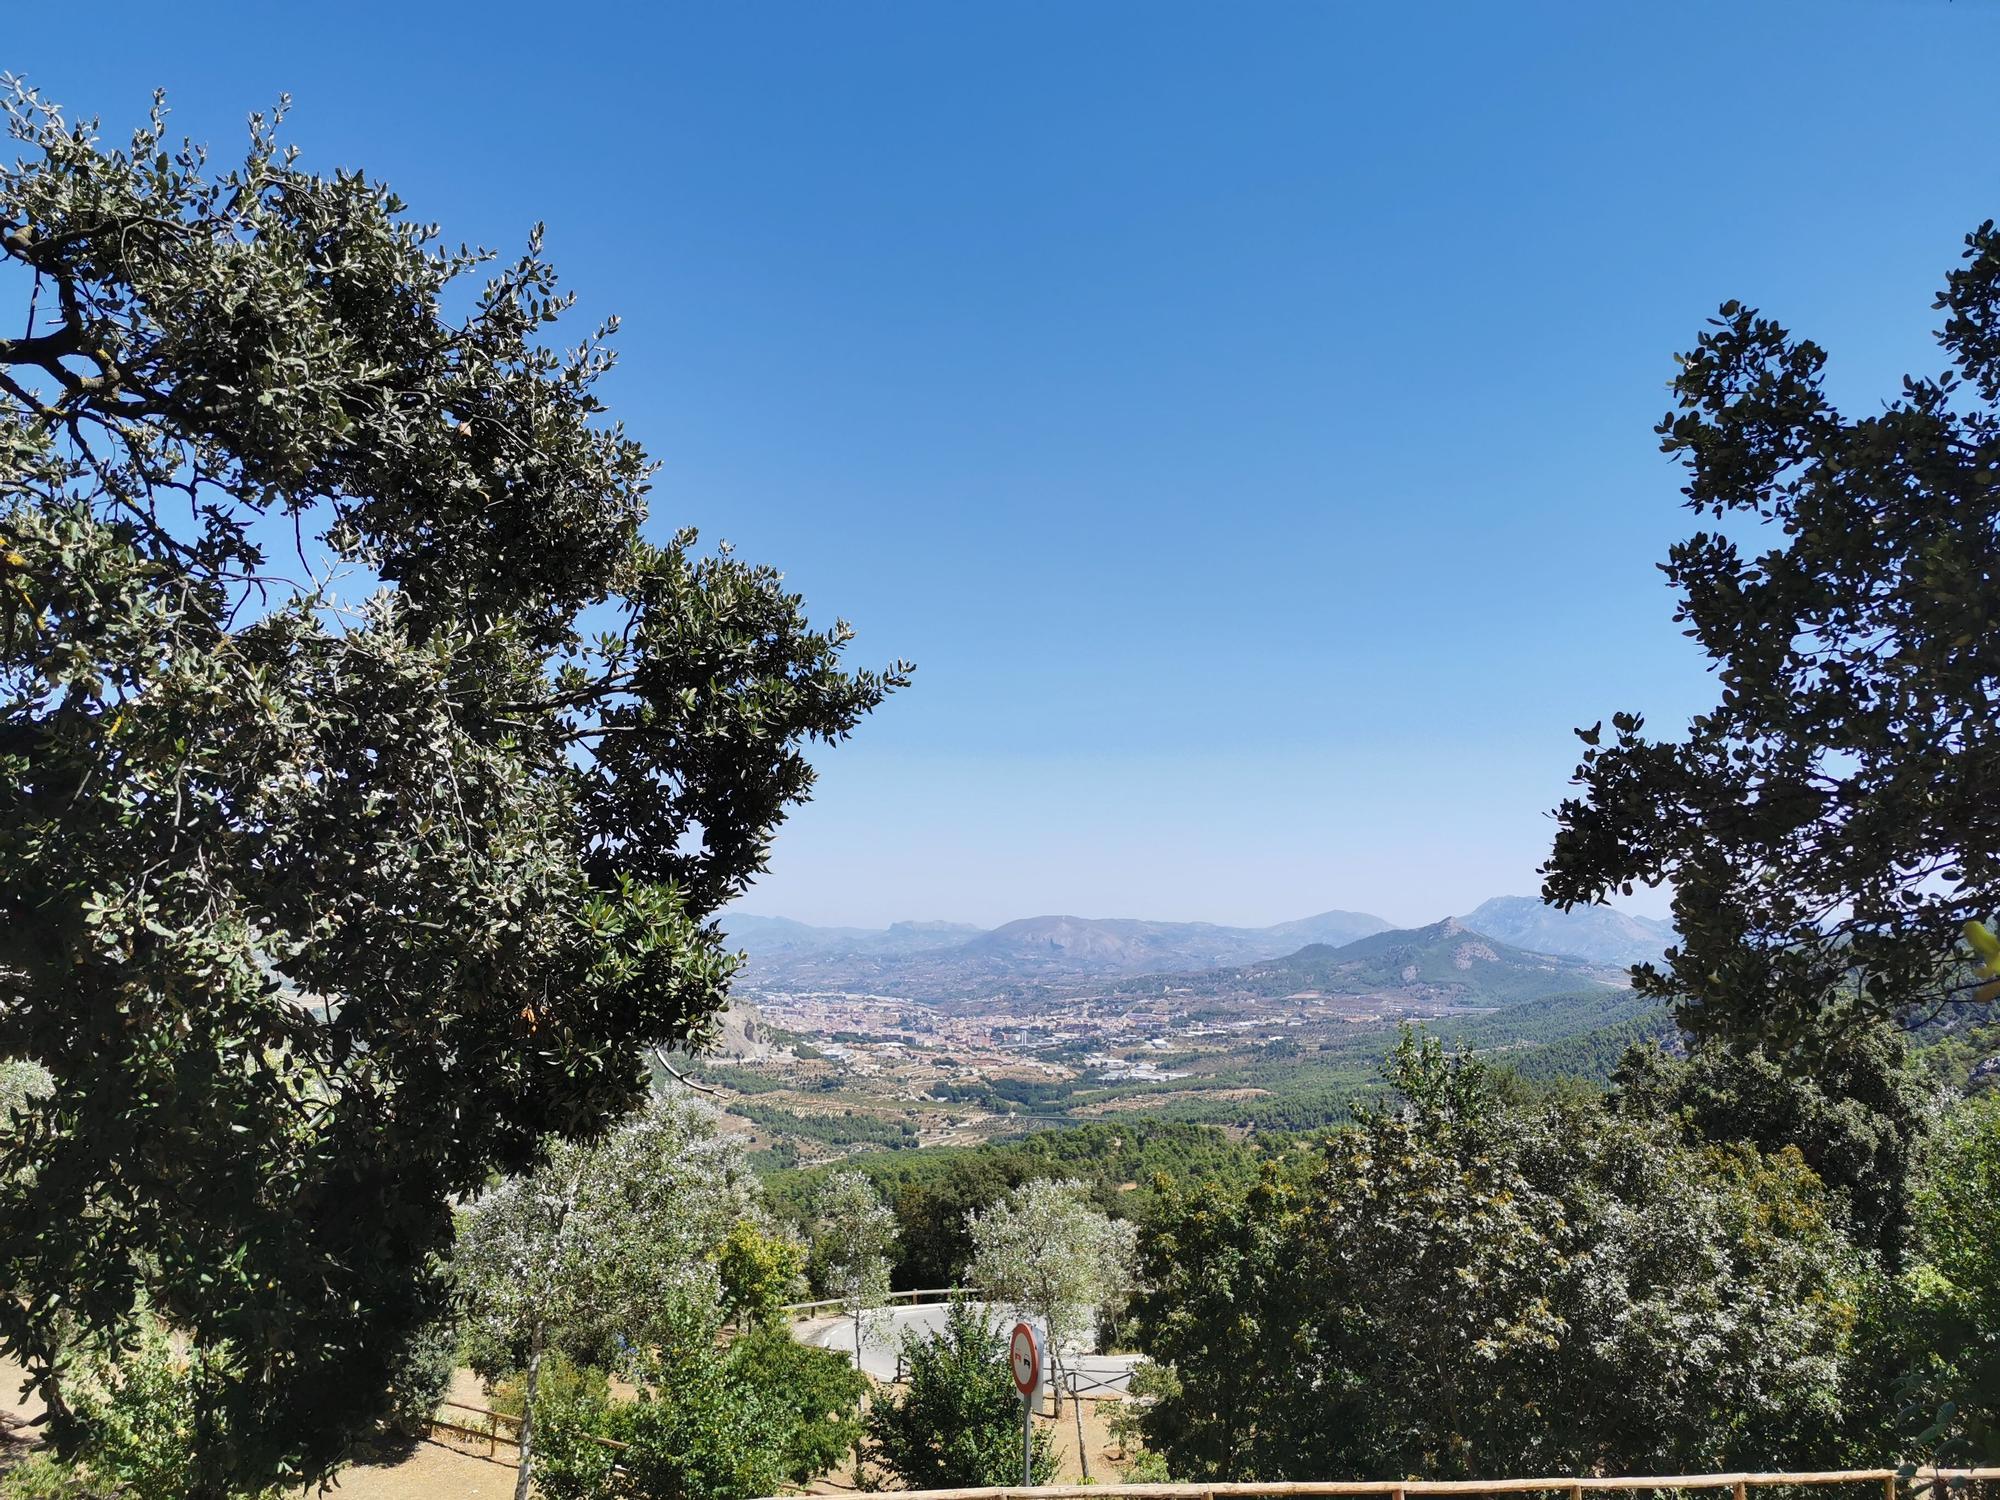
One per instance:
(1027,1362)
(1027,1441)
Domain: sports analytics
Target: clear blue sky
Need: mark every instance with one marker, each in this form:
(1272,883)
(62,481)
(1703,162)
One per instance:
(1241,412)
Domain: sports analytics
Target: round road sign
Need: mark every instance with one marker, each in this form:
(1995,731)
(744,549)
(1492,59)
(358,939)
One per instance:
(1027,1360)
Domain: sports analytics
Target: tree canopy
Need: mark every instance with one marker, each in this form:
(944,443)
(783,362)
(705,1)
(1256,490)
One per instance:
(368,779)
(1053,1255)
(1833,823)
(1858,1117)
(1457,1289)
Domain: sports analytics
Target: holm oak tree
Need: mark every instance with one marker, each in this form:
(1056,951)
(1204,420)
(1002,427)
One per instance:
(1831,828)
(368,780)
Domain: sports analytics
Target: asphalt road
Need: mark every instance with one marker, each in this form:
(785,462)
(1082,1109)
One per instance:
(884,1330)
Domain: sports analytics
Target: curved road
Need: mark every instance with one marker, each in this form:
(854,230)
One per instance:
(883,1332)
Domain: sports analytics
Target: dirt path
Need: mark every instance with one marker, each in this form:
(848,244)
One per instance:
(431,1472)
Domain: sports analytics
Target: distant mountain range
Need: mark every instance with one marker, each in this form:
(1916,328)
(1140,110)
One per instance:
(764,936)
(943,960)
(1446,961)
(1114,945)
(1596,933)
(911,957)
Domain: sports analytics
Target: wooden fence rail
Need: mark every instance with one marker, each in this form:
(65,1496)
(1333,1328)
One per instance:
(494,1437)
(796,1308)
(1893,1486)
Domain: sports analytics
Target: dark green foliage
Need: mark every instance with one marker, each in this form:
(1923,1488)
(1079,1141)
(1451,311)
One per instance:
(1832,823)
(846,1129)
(701,1431)
(336,870)
(568,1465)
(1944,1322)
(1965,1059)
(934,1243)
(1858,1116)
(1456,1288)
(703,1436)
(819,1389)
(708,1425)
(419,1375)
(959,1421)
(142,1425)
(1593,1056)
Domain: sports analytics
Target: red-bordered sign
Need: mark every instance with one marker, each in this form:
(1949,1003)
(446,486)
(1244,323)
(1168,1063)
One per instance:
(1027,1360)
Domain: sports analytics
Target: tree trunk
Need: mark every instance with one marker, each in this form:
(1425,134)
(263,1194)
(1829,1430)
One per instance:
(523,1476)
(857,1335)
(1082,1448)
(52,1400)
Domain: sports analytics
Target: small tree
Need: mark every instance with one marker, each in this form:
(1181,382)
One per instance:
(418,1380)
(1858,1117)
(759,1268)
(695,1434)
(959,1422)
(851,1240)
(604,1243)
(1047,1250)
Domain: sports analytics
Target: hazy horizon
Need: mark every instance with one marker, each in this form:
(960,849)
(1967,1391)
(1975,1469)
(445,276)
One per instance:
(746,908)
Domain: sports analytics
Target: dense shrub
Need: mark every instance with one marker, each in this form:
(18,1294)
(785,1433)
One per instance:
(707,1426)
(760,1271)
(819,1389)
(959,1421)
(1947,1318)
(138,1421)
